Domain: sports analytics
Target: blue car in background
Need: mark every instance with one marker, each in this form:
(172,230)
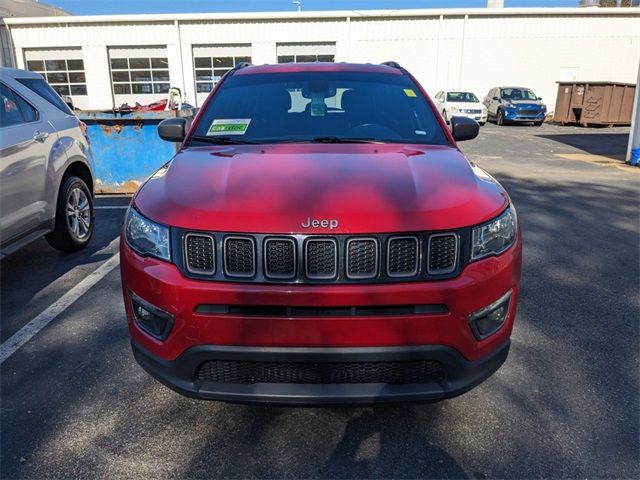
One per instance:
(514,104)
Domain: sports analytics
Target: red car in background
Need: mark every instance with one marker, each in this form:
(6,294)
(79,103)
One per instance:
(319,238)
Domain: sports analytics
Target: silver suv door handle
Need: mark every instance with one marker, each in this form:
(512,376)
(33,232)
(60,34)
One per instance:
(39,136)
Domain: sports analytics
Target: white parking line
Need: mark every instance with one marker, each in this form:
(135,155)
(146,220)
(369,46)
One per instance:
(110,207)
(26,333)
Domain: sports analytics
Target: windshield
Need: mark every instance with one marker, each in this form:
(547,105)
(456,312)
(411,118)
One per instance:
(318,106)
(461,97)
(517,94)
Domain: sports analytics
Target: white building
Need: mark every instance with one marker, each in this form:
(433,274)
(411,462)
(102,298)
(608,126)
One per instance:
(105,61)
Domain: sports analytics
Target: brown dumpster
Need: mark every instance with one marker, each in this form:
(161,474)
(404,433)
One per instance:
(594,103)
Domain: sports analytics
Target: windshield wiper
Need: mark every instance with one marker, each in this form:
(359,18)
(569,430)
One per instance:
(222,140)
(334,139)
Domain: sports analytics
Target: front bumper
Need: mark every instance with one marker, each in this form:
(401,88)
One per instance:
(443,335)
(514,115)
(460,375)
(478,117)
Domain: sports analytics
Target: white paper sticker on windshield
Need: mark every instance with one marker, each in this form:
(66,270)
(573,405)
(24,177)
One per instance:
(229,126)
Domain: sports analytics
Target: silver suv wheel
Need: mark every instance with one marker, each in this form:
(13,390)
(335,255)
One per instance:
(74,216)
(78,213)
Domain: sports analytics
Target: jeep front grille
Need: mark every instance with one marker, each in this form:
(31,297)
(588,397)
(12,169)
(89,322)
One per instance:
(321,258)
(239,257)
(362,258)
(199,253)
(280,258)
(380,258)
(402,257)
(443,253)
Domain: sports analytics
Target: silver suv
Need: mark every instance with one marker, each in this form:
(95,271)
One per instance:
(46,181)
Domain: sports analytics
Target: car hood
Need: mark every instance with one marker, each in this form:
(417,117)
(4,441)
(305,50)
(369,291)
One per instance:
(367,188)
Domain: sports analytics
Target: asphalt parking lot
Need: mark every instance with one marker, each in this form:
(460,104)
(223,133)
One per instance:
(566,404)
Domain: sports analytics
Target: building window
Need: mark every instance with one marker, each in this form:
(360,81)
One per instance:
(65,76)
(305,58)
(144,75)
(211,69)
(306,52)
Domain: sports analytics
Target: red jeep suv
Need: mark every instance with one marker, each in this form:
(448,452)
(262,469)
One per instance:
(319,238)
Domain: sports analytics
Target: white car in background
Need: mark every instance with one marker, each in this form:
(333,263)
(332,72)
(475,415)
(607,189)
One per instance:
(458,103)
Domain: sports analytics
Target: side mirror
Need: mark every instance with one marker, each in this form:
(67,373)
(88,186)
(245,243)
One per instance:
(173,129)
(539,98)
(496,98)
(464,128)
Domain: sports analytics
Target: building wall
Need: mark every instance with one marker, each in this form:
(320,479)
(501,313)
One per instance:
(472,49)
(6,48)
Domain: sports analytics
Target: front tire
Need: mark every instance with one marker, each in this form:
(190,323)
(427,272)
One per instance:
(500,117)
(444,116)
(74,216)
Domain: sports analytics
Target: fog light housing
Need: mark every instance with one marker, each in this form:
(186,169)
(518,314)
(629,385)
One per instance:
(489,319)
(153,320)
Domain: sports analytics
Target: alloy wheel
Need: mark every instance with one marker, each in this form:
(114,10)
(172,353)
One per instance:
(78,213)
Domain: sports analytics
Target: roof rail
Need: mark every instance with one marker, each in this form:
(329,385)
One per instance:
(392,64)
(242,65)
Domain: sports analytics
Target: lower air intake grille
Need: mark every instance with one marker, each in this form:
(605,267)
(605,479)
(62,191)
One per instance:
(443,253)
(362,258)
(199,254)
(402,258)
(247,372)
(321,258)
(280,258)
(239,257)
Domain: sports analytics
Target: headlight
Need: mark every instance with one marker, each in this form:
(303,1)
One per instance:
(146,237)
(454,110)
(496,236)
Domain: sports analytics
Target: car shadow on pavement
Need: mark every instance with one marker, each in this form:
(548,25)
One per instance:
(341,442)
(385,442)
(611,144)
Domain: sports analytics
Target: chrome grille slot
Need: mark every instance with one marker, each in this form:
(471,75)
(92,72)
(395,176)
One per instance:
(239,257)
(280,258)
(362,258)
(321,258)
(402,256)
(443,253)
(199,253)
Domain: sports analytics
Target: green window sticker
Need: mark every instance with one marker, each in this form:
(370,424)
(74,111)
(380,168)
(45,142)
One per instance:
(229,126)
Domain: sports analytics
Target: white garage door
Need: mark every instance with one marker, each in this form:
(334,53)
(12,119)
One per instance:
(139,74)
(63,69)
(211,62)
(306,52)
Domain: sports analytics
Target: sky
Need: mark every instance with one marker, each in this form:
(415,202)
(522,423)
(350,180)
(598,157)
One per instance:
(111,7)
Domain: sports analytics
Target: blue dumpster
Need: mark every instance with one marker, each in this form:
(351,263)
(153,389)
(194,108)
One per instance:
(126,147)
